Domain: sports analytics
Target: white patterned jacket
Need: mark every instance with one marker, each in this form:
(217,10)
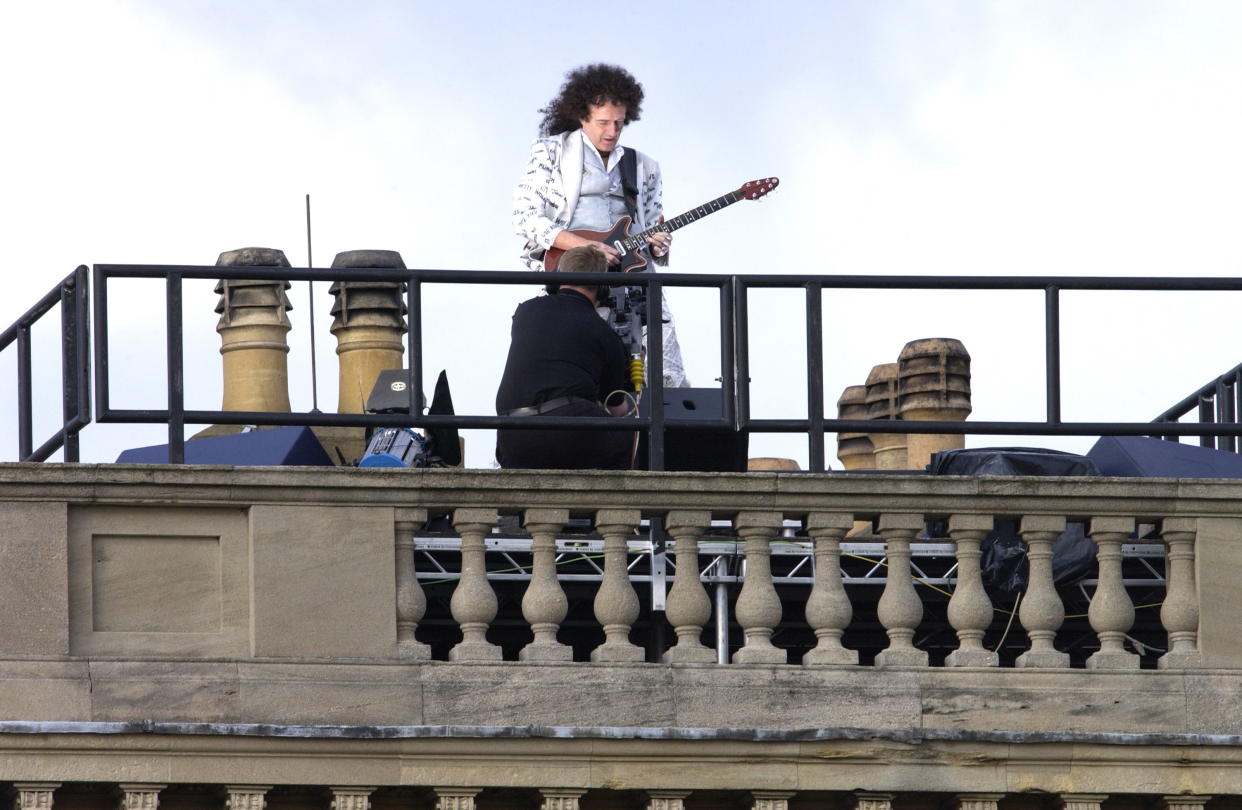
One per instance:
(543,205)
(545,197)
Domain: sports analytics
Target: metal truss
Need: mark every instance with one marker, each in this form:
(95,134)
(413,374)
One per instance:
(721,560)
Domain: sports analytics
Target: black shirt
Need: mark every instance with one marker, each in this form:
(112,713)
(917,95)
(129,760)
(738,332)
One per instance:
(560,347)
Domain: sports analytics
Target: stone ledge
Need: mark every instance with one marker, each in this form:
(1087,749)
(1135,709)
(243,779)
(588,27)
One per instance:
(633,696)
(583,492)
(874,760)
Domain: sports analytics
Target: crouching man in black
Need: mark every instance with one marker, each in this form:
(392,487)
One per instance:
(564,360)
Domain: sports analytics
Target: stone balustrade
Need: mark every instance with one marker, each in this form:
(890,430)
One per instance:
(828,609)
(114,532)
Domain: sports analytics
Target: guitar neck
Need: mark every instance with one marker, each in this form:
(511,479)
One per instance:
(681,220)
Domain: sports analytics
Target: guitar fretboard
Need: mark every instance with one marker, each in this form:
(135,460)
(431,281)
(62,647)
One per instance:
(639,239)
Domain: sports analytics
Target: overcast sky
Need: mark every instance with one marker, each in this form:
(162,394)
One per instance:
(1083,137)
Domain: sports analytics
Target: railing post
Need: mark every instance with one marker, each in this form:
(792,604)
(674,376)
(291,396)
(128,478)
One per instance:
(25,399)
(176,373)
(815,375)
(414,339)
(741,353)
(70,330)
(655,374)
(1052,351)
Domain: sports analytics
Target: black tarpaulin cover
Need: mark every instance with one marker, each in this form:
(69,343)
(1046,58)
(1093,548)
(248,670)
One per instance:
(1004,563)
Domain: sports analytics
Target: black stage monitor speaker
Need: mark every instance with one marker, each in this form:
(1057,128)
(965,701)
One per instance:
(273,447)
(696,449)
(391,392)
(1141,457)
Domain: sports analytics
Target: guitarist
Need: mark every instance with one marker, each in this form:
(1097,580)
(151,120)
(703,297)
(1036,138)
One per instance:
(579,177)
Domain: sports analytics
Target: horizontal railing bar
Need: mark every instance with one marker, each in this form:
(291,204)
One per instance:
(45,305)
(265,418)
(1132,283)
(997,428)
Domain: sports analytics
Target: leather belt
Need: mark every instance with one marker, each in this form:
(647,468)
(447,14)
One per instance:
(544,407)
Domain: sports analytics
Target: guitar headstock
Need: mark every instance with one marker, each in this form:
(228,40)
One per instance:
(757,188)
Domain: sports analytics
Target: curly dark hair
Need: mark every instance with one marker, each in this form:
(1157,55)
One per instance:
(587,85)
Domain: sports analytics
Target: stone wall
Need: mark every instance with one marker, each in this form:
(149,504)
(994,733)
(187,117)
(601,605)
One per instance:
(180,626)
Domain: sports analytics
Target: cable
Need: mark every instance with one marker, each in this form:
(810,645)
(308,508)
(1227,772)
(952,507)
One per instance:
(1009,623)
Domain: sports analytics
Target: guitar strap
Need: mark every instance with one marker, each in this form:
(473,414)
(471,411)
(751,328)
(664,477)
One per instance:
(629,182)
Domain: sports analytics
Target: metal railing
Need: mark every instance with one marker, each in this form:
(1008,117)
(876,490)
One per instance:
(735,415)
(72,295)
(1219,402)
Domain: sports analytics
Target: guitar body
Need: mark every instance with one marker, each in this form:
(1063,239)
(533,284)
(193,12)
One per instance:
(631,261)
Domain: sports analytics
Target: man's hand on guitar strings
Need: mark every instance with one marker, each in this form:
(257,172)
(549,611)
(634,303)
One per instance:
(660,242)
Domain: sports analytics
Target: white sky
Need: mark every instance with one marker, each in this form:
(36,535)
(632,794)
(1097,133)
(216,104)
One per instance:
(1083,137)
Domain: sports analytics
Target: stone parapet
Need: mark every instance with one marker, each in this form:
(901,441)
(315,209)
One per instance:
(249,564)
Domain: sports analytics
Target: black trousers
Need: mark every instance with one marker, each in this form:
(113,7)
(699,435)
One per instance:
(566,449)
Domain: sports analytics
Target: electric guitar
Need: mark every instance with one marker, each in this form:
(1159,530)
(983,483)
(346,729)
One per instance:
(632,246)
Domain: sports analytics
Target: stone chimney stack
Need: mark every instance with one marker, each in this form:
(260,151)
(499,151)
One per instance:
(254,327)
(854,449)
(369,324)
(890,448)
(933,383)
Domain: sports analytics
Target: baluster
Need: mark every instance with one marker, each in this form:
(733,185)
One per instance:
(758,607)
(544,604)
(899,608)
(34,795)
(1180,612)
(828,608)
(616,603)
(688,607)
(411,602)
(246,797)
(474,602)
(1041,612)
(970,609)
(1112,611)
